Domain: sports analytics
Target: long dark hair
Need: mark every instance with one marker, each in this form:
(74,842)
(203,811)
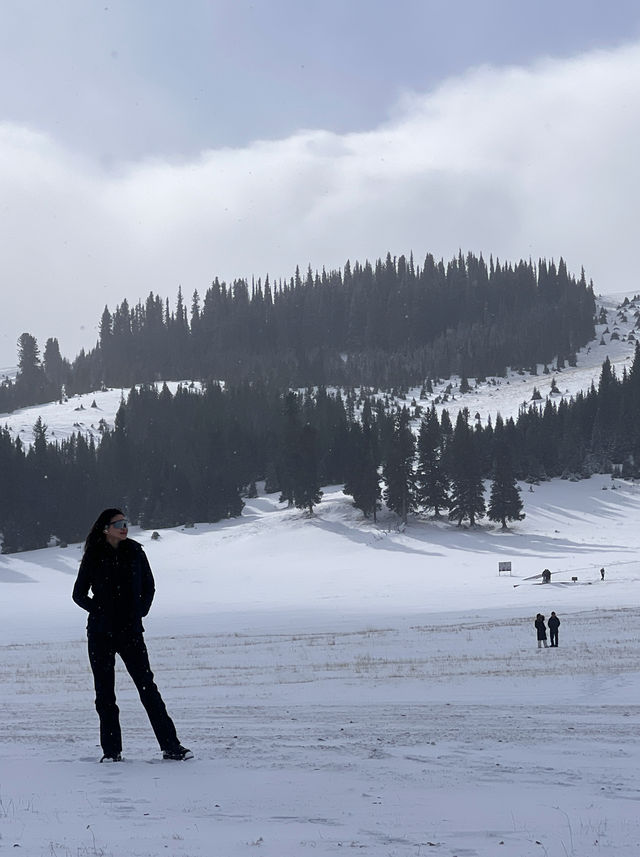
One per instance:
(96,533)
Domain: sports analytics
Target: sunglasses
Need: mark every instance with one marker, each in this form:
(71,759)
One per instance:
(119,525)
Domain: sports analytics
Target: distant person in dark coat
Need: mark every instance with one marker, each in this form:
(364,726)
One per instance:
(541,629)
(602,574)
(546,576)
(116,571)
(554,623)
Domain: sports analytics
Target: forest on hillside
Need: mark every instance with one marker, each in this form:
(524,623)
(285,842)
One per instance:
(174,459)
(389,323)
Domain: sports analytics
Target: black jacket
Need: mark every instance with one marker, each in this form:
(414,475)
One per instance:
(553,622)
(121,585)
(541,629)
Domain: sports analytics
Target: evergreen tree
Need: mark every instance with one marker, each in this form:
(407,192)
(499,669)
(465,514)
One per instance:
(289,452)
(271,478)
(306,492)
(399,475)
(505,503)
(467,490)
(55,368)
(446,428)
(31,385)
(603,433)
(40,487)
(362,479)
(15,496)
(28,356)
(432,485)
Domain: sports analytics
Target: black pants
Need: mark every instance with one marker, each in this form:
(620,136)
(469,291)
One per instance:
(133,651)
(553,636)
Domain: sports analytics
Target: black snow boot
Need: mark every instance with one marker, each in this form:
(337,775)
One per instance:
(178,754)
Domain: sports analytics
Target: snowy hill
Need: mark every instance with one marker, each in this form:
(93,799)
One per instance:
(615,340)
(344,686)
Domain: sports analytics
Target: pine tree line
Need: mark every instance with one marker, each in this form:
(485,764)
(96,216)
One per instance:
(442,469)
(193,456)
(394,322)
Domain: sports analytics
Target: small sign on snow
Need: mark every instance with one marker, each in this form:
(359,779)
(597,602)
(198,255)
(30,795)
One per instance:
(504,568)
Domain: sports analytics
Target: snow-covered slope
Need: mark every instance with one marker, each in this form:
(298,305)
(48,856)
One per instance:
(615,340)
(345,687)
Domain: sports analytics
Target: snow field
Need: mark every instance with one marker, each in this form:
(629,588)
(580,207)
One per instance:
(343,686)
(346,687)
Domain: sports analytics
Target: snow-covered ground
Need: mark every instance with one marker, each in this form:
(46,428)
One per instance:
(345,687)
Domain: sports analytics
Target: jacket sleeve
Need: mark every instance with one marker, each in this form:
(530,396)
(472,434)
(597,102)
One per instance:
(148,587)
(82,585)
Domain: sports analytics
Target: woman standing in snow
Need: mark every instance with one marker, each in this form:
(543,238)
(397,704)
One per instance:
(541,630)
(116,571)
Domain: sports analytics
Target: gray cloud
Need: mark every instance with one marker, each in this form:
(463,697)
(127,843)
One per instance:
(517,162)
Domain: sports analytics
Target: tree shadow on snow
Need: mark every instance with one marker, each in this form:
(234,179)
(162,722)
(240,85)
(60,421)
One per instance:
(378,539)
(10,575)
(511,543)
(443,538)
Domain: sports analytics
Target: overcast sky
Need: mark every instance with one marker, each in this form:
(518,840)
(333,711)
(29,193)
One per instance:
(152,144)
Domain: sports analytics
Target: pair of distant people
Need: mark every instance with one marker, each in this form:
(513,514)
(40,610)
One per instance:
(541,630)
